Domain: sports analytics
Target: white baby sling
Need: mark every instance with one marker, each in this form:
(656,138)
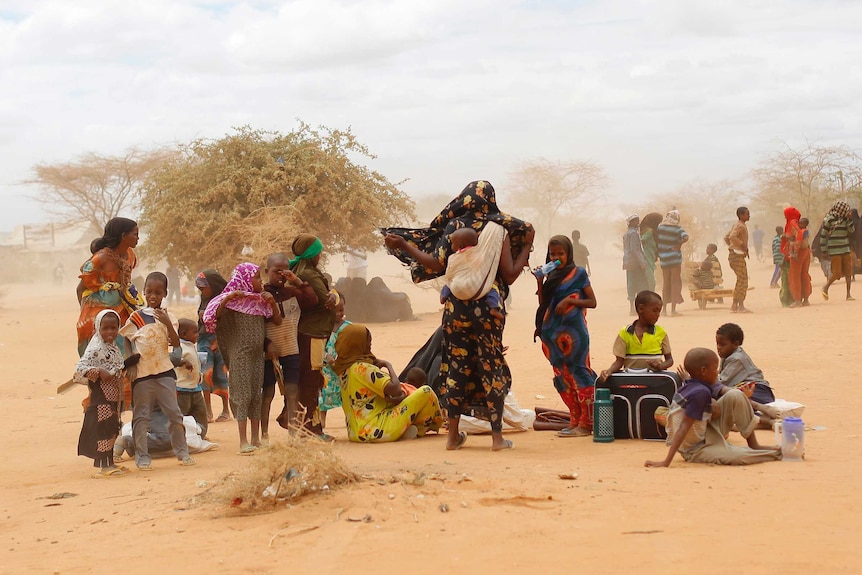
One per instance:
(470,273)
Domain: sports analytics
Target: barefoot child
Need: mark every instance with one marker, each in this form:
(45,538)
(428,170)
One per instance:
(210,283)
(330,395)
(643,344)
(237,316)
(280,344)
(737,368)
(190,395)
(102,365)
(702,414)
(564,296)
(151,332)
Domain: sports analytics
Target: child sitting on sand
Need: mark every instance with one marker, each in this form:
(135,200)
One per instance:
(190,395)
(703,413)
(737,368)
(461,268)
(643,344)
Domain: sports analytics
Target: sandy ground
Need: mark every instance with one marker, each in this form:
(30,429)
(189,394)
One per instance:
(514,515)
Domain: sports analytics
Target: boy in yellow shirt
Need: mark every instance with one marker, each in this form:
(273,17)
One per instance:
(642,344)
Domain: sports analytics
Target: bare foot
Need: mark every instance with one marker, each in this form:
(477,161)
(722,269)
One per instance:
(506,444)
(458,441)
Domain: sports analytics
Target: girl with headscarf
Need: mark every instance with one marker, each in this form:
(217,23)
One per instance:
(315,325)
(564,296)
(106,278)
(647,228)
(376,406)
(472,366)
(669,238)
(795,280)
(211,283)
(102,365)
(837,231)
(237,318)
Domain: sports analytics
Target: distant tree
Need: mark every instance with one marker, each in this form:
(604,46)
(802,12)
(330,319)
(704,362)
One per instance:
(549,189)
(258,189)
(96,188)
(808,177)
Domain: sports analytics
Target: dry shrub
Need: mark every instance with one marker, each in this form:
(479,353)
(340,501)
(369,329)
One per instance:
(286,471)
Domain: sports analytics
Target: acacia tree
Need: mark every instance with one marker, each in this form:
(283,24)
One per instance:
(260,189)
(548,188)
(808,177)
(96,188)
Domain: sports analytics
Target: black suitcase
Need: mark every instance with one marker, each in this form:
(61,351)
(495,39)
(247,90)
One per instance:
(636,395)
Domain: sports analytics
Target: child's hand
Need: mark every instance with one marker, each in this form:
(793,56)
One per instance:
(330,301)
(235,294)
(162,316)
(654,365)
(747,389)
(131,361)
(267,297)
(683,374)
(291,278)
(186,364)
(271,353)
(104,374)
(604,375)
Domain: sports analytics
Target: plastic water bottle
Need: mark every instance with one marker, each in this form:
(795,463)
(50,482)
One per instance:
(603,416)
(793,446)
(544,270)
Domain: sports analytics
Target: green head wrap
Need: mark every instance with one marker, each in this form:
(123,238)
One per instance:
(306,247)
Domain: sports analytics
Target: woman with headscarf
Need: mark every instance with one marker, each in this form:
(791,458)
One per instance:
(106,278)
(472,365)
(211,283)
(634,261)
(669,238)
(561,322)
(376,406)
(836,233)
(315,325)
(647,228)
(237,317)
(795,279)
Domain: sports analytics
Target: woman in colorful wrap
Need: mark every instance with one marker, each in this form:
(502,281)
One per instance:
(314,329)
(561,322)
(106,278)
(211,283)
(473,366)
(376,406)
(795,279)
(237,316)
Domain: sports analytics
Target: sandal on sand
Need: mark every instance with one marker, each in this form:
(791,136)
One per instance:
(187,461)
(462,439)
(145,467)
(572,432)
(508,445)
(115,472)
(851,298)
(247,450)
(222,418)
(824,294)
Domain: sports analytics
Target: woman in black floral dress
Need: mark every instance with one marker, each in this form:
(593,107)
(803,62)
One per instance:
(473,365)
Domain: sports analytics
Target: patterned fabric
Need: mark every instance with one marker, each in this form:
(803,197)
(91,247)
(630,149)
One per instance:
(212,279)
(240,336)
(213,369)
(837,230)
(251,303)
(777,256)
(791,228)
(149,338)
(99,353)
(476,205)
(566,344)
(703,279)
(372,419)
(107,279)
(668,240)
(740,268)
(330,395)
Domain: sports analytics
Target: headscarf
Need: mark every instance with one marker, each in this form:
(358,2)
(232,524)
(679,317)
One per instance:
(631,218)
(552,282)
(352,346)
(671,219)
(212,279)
(650,221)
(840,210)
(473,207)
(99,353)
(252,303)
(791,215)
(305,247)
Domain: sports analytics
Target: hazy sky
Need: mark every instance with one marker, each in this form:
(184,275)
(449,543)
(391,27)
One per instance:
(444,92)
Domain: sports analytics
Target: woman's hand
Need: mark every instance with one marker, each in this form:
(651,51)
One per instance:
(394,242)
(564,306)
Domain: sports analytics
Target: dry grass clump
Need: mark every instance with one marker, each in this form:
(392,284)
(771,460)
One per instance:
(285,471)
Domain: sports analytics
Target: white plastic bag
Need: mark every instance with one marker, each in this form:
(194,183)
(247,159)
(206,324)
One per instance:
(514,419)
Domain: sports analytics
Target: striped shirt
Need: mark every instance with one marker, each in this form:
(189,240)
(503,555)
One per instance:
(777,256)
(637,353)
(835,239)
(669,239)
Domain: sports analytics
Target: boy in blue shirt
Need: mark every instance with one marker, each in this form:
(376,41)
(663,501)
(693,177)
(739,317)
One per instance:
(703,413)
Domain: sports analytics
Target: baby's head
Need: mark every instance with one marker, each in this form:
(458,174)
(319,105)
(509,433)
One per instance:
(648,305)
(416,377)
(706,265)
(702,364)
(188,330)
(779,230)
(463,237)
(339,307)
(711,249)
(803,223)
(155,289)
(728,337)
